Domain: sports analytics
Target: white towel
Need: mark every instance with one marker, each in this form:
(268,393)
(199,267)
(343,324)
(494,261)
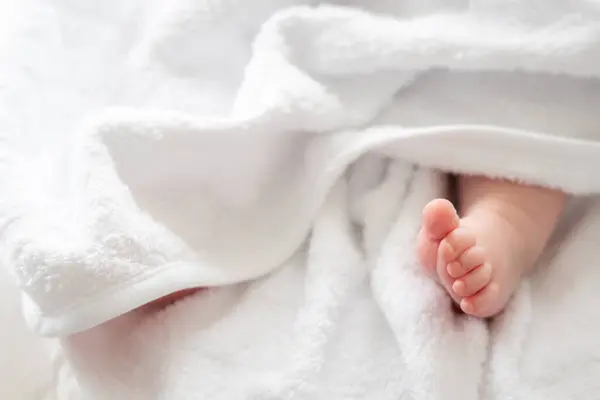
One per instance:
(236,131)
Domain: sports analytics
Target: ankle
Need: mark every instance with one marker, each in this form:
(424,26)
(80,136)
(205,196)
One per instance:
(509,229)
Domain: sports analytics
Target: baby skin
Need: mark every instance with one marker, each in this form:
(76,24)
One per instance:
(479,252)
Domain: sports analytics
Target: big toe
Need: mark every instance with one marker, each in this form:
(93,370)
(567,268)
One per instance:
(439,219)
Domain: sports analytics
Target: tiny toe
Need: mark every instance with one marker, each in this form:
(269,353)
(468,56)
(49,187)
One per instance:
(439,219)
(427,253)
(473,282)
(455,270)
(466,262)
(484,304)
(466,305)
(455,243)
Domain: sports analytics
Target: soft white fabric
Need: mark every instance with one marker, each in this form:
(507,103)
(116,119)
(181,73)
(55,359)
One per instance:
(285,150)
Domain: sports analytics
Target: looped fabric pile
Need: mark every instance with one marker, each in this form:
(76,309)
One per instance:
(279,153)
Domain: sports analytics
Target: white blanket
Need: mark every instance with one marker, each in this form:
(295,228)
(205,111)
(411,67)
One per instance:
(282,154)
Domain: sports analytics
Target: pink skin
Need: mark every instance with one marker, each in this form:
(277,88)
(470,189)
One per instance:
(479,259)
(170,299)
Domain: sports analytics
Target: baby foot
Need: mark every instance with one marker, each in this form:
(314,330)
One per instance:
(466,260)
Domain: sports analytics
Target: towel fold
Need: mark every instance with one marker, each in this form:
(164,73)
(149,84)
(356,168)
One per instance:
(247,144)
